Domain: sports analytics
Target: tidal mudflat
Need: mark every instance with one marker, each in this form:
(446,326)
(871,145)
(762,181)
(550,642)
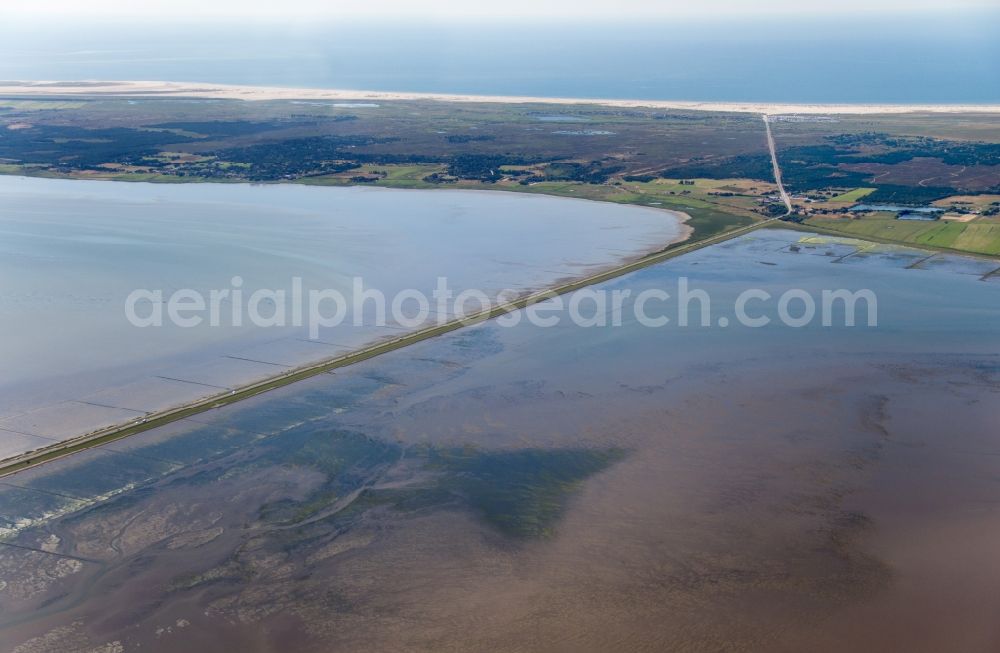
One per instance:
(73,251)
(564,488)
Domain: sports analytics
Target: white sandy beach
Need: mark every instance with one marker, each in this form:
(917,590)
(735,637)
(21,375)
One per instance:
(35,89)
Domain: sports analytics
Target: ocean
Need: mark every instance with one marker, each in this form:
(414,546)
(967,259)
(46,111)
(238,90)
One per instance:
(952,58)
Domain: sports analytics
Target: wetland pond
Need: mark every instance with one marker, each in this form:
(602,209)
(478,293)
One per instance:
(563,488)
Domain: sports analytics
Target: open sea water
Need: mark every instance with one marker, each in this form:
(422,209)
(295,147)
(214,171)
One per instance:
(941,58)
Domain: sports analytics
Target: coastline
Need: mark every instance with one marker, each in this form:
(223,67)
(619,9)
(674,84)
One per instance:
(155,89)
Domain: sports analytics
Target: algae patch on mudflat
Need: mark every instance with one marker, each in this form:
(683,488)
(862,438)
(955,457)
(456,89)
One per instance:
(520,493)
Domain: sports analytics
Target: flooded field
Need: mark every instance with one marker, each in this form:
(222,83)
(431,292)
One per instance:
(565,488)
(71,253)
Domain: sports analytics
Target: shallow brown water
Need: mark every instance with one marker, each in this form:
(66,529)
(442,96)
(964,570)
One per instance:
(559,489)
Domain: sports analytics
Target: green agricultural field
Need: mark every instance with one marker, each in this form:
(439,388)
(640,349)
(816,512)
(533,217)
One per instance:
(387,175)
(983,237)
(975,237)
(853,195)
(407,176)
(707,218)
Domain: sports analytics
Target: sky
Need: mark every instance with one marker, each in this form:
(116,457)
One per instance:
(293,10)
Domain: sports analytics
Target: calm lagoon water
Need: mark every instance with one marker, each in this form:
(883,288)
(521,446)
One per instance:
(72,251)
(896,208)
(517,488)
